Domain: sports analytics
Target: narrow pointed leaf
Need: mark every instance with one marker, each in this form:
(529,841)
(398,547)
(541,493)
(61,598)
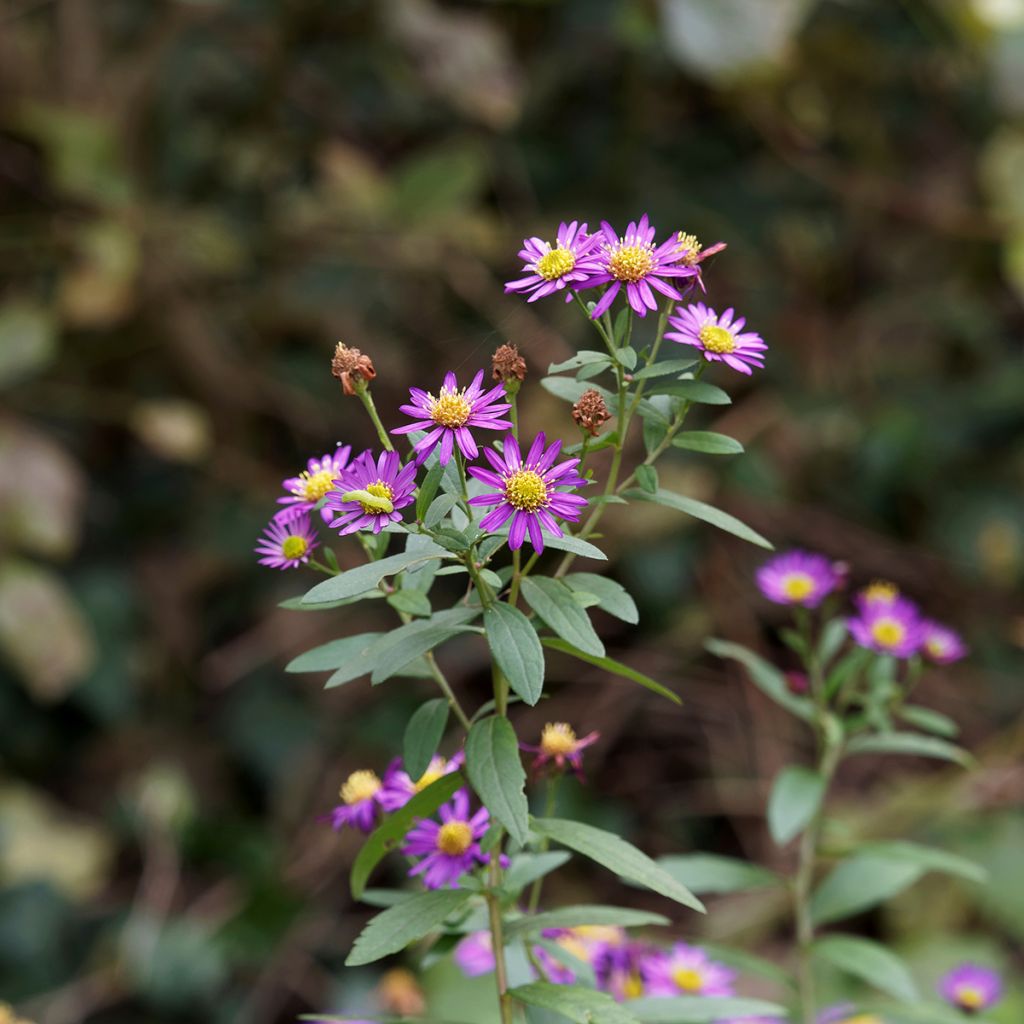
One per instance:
(707,442)
(869,962)
(611,665)
(552,600)
(516,649)
(582,916)
(423,736)
(706,513)
(495,771)
(363,578)
(795,799)
(765,676)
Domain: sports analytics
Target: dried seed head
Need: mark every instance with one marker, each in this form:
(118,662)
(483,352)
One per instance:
(590,412)
(508,365)
(352,368)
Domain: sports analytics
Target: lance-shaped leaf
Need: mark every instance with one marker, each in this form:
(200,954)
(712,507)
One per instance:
(711,873)
(612,597)
(707,442)
(423,735)
(495,771)
(869,961)
(363,578)
(613,666)
(516,649)
(579,1004)
(553,601)
(911,743)
(700,1009)
(765,676)
(582,916)
(795,799)
(706,513)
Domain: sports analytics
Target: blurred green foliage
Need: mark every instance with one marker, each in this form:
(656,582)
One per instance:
(198,198)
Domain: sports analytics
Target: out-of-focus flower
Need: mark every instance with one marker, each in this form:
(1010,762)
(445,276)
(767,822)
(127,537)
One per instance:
(529,492)
(370,493)
(399,788)
(689,971)
(590,412)
(288,540)
(877,592)
(361,795)
(971,988)
(572,260)
(315,481)
(797,682)
(448,417)
(474,954)
(719,338)
(690,253)
(846,1013)
(635,261)
(8,1016)
(798,577)
(893,628)
(399,993)
(509,366)
(942,644)
(352,368)
(559,746)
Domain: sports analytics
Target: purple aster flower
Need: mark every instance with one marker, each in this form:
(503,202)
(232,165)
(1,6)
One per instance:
(753,1020)
(361,794)
(689,971)
(388,485)
(288,540)
(450,849)
(314,482)
(447,418)
(634,261)
(558,744)
(529,492)
(971,988)
(690,253)
(894,628)
(942,644)
(878,593)
(798,577)
(573,259)
(399,787)
(720,338)
(474,954)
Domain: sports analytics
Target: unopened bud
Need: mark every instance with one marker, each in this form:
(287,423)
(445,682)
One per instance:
(352,368)
(509,366)
(590,412)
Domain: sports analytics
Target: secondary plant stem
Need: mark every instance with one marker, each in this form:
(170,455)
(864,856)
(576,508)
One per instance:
(367,399)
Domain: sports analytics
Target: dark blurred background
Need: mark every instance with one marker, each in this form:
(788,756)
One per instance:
(199,198)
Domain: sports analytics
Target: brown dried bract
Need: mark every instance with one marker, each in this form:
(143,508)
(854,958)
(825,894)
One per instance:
(590,412)
(507,364)
(352,368)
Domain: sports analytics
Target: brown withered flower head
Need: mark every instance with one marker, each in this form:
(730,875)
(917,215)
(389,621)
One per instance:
(590,412)
(352,368)
(509,366)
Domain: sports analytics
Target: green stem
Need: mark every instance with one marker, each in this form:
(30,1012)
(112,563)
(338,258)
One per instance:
(442,681)
(498,937)
(517,577)
(367,399)
(320,567)
(550,803)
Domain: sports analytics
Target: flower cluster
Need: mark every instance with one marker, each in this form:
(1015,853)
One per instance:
(971,988)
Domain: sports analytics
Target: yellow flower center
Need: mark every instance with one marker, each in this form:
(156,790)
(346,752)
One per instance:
(688,979)
(605,933)
(574,947)
(555,263)
(863,1018)
(359,786)
(630,262)
(633,987)
(454,838)
(717,339)
(450,408)
(935,647)
(314,485)
(881,590)
(525,490)
(434,771)
(293,547)
(557,738)
(689,247)
(888,632)
(970,997)
(797,586)
(378,490)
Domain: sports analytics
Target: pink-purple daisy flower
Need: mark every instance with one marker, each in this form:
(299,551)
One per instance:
(719,338)
(635,261)
(941,644)
(559,746)
(361,801)
(448,417)
(573,259)
(971,988)
(386,485)
(450,849)
(846,1013)
(400,787)
(288,540)
(474,955)
(690,253)
(530,492)
(689,971)
(316,481)
(799,577)
(889,628)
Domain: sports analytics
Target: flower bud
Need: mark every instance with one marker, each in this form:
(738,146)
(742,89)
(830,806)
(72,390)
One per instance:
(352,368)
(509,366)
(590,412)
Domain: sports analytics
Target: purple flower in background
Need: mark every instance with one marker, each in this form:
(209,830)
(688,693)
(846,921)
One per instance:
(971,988)
(288,540)
(530,492)
(399,787)
(361,799)
(634,261)
(942,644)
(450,849)
(798,577)
(846,1013)
(893,628)
(689,971)
(690,253)
(448,417)
(573,259)
(474,954)
(720,338)
(878,593)
(753,1020)
(558,744)
(386,487)
(314,482)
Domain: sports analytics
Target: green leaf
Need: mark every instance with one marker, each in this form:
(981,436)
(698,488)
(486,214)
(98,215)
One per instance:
(617,856)
(929,720)
(611,597)
(412,602)
(570,390)
(495,771)
(911,743)
(693,391)
(333,655)
(392,830)
(765,676)
(626,357)
(528,867)
(393,930)
(393,651)
(583,915)
(833,635)
(579,1004)
(710,873)
(582,358)
(516,649)
(611,665)
(870,962)
(665,369)
(427,490)
(423,736)
(552,600)
(706,513)
(647,478)
(926,857)
(439,508)
(700,1009)
(708,442)
(748,963)
(795,799)
(363,578)
(576,546)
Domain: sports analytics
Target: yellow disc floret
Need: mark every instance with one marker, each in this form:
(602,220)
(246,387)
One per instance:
(717,339)
(450,408)
(880,591)
(688,980)
(863,1018)
(359,786)
(454,838)
(630,263)
(888,632)
(557,738)
(555,263)
(689,248)
(378,490)
(437,767)
(798,586)
(294,547)
(525,490)
(970,997)
(313,486)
